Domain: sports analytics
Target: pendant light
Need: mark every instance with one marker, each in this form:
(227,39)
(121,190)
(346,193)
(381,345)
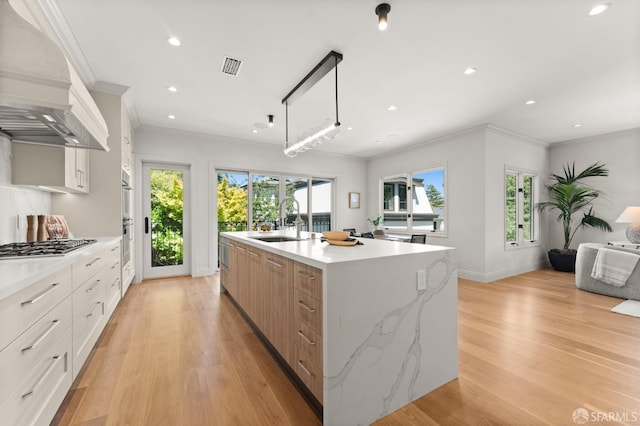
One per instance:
(382,10)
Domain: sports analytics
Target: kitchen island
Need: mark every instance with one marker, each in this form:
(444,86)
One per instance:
(367,328)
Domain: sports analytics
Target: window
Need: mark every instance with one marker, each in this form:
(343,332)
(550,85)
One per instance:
(426,192)
(520,214)
(247,200)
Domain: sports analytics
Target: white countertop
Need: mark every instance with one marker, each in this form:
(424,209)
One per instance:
(16,274)
(317,253)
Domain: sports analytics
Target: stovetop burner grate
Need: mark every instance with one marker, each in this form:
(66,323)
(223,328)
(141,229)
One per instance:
(42,248)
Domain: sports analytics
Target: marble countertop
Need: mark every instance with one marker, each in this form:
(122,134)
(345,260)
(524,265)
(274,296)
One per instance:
(320,254)
(17,274)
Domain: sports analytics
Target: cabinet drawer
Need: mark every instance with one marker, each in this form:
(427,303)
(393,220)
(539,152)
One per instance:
(21,310)
(308,310)
(309,373)
(36,399)
(22,355)
(113,295)
(89,265)
(86,329)
(309,343)
(308,279)
(113,269)
(90,293)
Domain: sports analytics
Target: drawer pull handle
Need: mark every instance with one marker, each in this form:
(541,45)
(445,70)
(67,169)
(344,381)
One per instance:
(43,294)
(252,253)
(307,276)
(90,289)
(92,311)
(306,308)
(306,339)
(240,248)
(92,262)
(305,369)
(44,376)
(115,265)
(274,263)
(115,282)
(114,248)
(42,336)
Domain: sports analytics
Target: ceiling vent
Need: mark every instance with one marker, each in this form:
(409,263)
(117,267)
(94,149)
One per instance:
(230,66)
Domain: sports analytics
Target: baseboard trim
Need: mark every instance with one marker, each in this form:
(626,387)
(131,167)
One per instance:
(499,274)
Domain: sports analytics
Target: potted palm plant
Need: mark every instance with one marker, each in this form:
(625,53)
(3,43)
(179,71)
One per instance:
(570,196)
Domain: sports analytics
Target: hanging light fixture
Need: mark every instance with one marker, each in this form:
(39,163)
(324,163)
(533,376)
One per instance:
(382,10)
(270,117)
(325,133)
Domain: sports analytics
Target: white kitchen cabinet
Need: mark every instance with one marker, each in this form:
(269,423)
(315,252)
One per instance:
(50,167)
(35,350)
(94,280)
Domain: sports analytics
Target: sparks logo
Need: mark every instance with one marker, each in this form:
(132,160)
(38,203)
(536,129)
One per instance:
(580,416)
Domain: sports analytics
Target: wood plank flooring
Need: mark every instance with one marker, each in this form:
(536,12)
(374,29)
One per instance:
(532,349)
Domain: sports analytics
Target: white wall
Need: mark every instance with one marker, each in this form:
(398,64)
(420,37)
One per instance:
(620,151)
(463,156)
(16,200)
(506,149)
(205,154)
(475,161)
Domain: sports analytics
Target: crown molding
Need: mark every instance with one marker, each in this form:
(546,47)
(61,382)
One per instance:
(501,131)
(110,88)
(65,35)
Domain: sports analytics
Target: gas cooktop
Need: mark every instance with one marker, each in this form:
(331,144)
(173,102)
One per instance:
(42,248)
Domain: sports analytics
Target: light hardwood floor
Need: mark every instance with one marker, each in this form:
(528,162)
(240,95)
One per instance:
(532,349)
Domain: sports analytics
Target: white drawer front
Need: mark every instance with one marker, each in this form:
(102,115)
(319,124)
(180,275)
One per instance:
(39,395)
(22,355)
(86,329)
(23,309)
(91,292)
(89,266)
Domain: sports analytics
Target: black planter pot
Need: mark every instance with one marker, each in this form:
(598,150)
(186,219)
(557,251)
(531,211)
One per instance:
(562,262)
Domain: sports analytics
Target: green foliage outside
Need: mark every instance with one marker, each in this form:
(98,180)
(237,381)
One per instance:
(512,207)
(265,200)
(166,216)
(232,205)
(435,197)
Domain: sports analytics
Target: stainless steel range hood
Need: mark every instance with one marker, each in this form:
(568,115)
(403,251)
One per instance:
(42,99)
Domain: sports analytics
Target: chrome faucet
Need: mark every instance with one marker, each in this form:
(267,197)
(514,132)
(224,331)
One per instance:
(298,220)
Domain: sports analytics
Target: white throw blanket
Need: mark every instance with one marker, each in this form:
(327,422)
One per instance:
(614,266)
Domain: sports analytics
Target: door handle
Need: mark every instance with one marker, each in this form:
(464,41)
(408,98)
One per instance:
(146,225)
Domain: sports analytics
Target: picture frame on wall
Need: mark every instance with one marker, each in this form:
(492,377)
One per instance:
(354,200)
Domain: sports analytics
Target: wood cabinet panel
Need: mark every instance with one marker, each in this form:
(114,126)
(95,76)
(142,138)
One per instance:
(279,314)
(308,279)
(308,310)
(257,290)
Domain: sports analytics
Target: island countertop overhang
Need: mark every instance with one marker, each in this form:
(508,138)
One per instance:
(320,254)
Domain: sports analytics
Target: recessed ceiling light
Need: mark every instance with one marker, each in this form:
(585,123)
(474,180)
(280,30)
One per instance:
(392,108)
(254,131)
(530,102)
(577,125)
(171,117)
(470,71)
(174,41)
(172,89)
(379,142)
(349,128)
(599,8)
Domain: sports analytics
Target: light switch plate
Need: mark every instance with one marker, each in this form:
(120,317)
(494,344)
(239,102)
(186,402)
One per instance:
(421,278)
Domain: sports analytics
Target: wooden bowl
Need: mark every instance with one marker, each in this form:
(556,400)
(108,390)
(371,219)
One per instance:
(335,235)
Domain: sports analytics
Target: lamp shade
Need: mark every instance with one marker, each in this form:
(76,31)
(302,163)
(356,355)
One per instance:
(630,215)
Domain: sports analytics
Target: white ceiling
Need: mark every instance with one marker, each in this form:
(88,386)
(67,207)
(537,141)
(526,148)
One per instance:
(579,69)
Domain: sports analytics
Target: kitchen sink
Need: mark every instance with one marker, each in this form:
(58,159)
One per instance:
(275,239)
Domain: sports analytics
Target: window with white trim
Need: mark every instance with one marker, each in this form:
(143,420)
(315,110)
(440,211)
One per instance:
(415,201)
(521,217)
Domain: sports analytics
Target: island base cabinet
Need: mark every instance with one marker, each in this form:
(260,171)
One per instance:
(37,398)
(309,373)
(279,314)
